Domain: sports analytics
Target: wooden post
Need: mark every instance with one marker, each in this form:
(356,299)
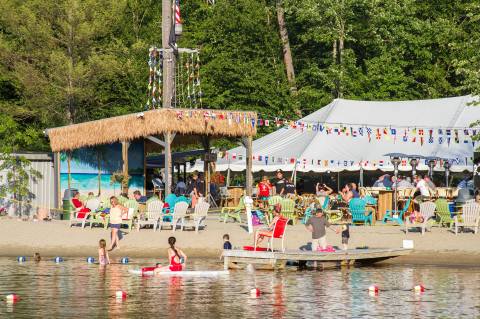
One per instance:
(206,175)
(125,146)
(168,163)
(247,142)
(168,54)
(57,180)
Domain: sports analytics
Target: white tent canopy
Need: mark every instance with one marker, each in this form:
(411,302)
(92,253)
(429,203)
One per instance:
(335,138)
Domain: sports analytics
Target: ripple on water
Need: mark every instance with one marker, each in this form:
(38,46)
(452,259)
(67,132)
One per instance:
(77,289)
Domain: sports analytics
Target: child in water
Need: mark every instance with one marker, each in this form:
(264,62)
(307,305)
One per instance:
(103,258)
(226,242)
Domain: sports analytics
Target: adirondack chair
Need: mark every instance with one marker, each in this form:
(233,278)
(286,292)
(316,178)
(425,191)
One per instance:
(122,200)
(100,219)
(397,215)
(182,198)
(470,217)
(170,200)
(93,203)
(79,218)
(278,232)
(427,210)
(288,210)
(233,212)
(153,212)
(179,213)
(272,201)
(357,209)
(132,206)
(198,217)
(443,212)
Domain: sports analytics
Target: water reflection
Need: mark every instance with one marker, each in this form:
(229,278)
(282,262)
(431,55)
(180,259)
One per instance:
(76,289)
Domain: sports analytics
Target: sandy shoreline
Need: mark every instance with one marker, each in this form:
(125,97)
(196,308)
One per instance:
(17,238)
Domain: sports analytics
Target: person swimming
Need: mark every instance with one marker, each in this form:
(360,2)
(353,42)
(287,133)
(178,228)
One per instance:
(176,257)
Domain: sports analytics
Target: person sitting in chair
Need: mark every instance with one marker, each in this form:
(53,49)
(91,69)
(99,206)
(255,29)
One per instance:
(277,209)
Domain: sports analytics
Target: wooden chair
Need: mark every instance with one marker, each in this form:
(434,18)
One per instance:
(427,210)
(470,217)
(199,216)
(153,213)
(179,213)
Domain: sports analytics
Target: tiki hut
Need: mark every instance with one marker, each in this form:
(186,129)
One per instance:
(161,126)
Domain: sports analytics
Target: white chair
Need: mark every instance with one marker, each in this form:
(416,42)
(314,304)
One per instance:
(470,217)
(427,210)
(153,213)
(198,217)
(179,213)
(93,204)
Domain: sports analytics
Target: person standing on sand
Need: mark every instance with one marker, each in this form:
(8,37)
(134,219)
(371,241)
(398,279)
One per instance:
(116,212)
(317,226)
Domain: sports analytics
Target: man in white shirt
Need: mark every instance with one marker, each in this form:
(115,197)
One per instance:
(422,187)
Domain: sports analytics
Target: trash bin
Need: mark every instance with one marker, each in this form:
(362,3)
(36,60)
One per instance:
(67,203)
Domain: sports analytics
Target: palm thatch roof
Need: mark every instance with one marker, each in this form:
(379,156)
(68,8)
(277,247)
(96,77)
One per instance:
(137,125)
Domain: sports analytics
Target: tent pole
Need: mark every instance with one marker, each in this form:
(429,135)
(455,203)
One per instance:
(361,176)
(247,142)
(338,181)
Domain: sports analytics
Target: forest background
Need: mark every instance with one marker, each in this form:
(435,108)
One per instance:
(70,61)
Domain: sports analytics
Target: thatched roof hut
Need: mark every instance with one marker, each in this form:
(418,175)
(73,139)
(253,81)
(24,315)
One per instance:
(132,126)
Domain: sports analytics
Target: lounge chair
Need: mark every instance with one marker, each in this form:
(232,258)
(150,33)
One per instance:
(357,209)
(153,213)
(179,213)
(198,217)
(427,210)
(396,215)
(132,206)
(278,232)
(233,212)
(470,217)
(443,212)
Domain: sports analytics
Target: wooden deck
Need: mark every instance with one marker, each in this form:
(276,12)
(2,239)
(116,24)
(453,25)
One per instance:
(278,259)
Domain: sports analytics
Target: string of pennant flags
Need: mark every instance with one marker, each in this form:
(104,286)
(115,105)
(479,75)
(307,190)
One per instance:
(421,135)
(304,162)
(404,134)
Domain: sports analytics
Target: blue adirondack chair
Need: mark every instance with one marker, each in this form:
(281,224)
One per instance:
(389,214)
(171,200)
(357,209)
(183,199)
(308,211)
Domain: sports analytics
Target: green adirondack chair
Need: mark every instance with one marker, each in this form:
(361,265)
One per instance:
(233,212)
(132,206)
(288,210)
(272,201)
(100,219)
(443,213)
(122,200)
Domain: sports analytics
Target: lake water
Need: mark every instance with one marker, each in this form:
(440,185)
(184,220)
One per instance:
(75,289)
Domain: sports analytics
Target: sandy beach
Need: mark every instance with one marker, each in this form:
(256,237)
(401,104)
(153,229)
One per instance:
(56,238)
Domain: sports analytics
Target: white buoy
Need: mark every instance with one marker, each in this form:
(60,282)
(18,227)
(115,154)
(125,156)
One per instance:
(419,288)
(90,260)
(373,290)
(58,260)
(21,259)
(255,293)
(12,298)
(124,260)
(120,294)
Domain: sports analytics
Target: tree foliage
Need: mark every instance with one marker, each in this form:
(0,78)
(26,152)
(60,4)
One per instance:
(68,61)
